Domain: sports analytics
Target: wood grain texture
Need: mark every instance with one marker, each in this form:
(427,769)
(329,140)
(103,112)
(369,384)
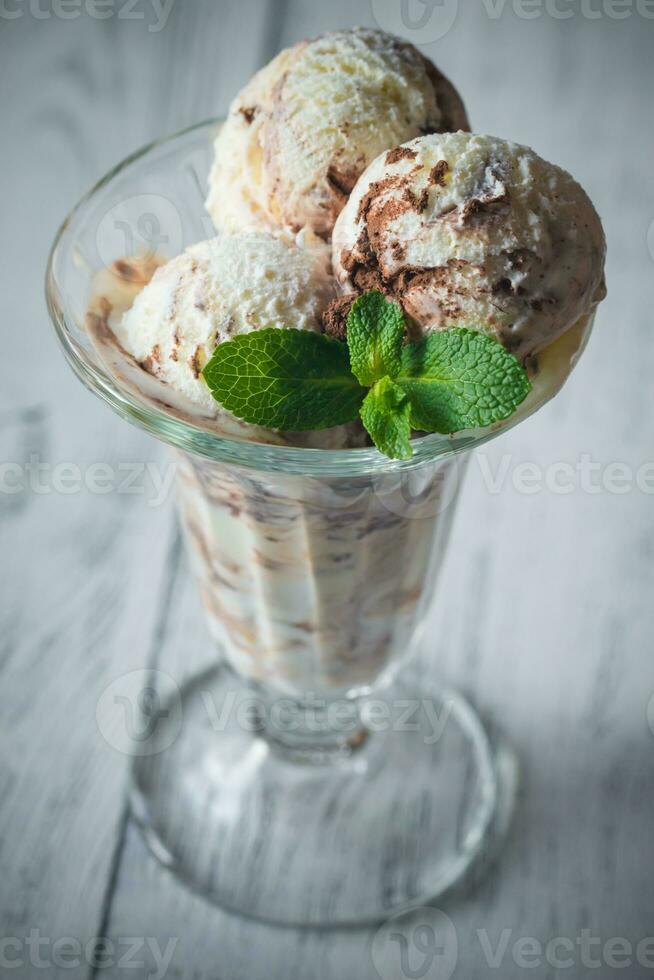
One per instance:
(84,585)
(545,614)
(76,609)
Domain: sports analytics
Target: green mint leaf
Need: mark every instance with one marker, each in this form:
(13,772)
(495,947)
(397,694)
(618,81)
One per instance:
(460,379)
(285,379)
(385,414)
(375,330)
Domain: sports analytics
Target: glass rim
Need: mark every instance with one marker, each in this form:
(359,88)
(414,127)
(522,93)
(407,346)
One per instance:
(198,440)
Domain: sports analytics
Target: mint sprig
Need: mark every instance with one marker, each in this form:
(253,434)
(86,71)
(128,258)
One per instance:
(295,380)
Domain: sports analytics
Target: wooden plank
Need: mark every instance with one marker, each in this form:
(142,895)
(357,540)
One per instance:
(77,611)
(84,576)
(545,618)
(75,607)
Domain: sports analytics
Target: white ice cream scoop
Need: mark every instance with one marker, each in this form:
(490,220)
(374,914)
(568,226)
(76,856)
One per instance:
(216,290)
(304,128)
(473,231)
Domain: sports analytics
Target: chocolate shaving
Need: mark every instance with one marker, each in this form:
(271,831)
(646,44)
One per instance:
(418,204)
(174,354)
(472,207)
(438,173)
(375,189)
(126,271)
(366,278)
(195,362)
(105,308)
(151,362)
(248,113)
(504,287)
(334,318)
(341,183)
(400,153)
(493,191)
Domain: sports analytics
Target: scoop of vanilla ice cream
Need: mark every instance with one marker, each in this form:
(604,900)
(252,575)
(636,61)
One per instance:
(215,290)
(303,130)
(469,230)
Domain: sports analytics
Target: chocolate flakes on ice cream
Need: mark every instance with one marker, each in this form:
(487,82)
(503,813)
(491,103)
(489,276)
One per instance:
(471,231)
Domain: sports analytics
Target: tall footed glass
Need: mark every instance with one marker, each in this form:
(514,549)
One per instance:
(302,775)
(311,783)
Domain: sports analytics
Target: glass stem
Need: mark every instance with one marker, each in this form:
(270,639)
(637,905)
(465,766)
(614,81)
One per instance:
(312,729)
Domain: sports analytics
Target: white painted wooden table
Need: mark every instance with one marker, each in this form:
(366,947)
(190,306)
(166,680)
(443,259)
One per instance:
(546,614)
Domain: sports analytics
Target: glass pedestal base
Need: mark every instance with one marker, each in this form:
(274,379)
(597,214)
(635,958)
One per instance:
(393,821)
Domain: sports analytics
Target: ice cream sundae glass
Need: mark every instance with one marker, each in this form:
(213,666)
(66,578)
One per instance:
(381,292)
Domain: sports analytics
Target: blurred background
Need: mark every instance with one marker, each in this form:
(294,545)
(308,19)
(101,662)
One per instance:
(545,617)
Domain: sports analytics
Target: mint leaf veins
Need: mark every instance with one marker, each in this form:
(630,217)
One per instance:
(285,379)
(460,379)
(375,331)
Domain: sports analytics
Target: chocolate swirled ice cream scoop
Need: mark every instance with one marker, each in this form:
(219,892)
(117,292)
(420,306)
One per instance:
(156,324)
(216,290)
(305,127)
(472,231)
